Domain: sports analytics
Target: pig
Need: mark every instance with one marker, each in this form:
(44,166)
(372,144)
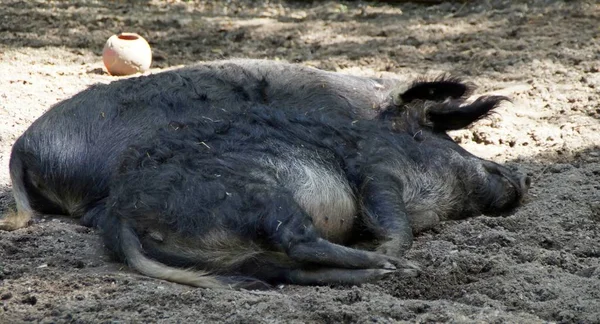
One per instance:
(64,161)
(269,195)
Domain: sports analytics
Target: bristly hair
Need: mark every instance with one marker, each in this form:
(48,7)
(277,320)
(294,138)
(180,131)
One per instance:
(454,114)
(440,88)
(412,101)
(441,116)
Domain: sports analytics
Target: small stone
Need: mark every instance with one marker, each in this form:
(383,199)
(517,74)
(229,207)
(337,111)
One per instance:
(31,300)
(587,272)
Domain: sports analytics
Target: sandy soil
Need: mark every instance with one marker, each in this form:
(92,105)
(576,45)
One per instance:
(540,264)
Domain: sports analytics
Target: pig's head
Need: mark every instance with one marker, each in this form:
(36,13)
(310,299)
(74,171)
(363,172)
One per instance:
(427,111)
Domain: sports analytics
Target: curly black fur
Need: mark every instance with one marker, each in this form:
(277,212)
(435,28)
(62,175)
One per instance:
(207,176)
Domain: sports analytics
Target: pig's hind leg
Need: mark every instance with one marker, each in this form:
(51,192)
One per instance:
(290,228)
(277,267)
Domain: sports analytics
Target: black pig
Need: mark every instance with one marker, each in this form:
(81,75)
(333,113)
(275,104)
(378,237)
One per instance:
(62,164)
(277,195)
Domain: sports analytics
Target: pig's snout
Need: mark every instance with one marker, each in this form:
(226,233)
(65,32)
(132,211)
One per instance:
(518,181)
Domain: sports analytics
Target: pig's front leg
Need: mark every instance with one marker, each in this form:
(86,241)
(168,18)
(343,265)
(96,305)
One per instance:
(384,213)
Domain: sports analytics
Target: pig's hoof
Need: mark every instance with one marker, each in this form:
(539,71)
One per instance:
(403,264)
(389,266)
(410,273)
(14,221)
(396,247)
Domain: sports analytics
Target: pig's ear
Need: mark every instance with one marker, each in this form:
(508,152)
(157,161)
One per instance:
(438,89)
(455,114)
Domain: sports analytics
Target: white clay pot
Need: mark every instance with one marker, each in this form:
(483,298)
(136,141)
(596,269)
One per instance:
(126,53)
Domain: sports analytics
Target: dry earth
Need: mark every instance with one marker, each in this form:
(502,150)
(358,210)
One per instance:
(540,264)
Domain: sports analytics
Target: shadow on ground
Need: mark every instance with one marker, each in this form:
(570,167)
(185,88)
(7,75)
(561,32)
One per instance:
(446,35)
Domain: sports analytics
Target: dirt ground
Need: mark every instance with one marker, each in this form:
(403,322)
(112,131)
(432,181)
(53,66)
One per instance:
(540,264)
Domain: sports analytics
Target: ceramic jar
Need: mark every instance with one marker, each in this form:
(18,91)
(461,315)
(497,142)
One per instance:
(126,53)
